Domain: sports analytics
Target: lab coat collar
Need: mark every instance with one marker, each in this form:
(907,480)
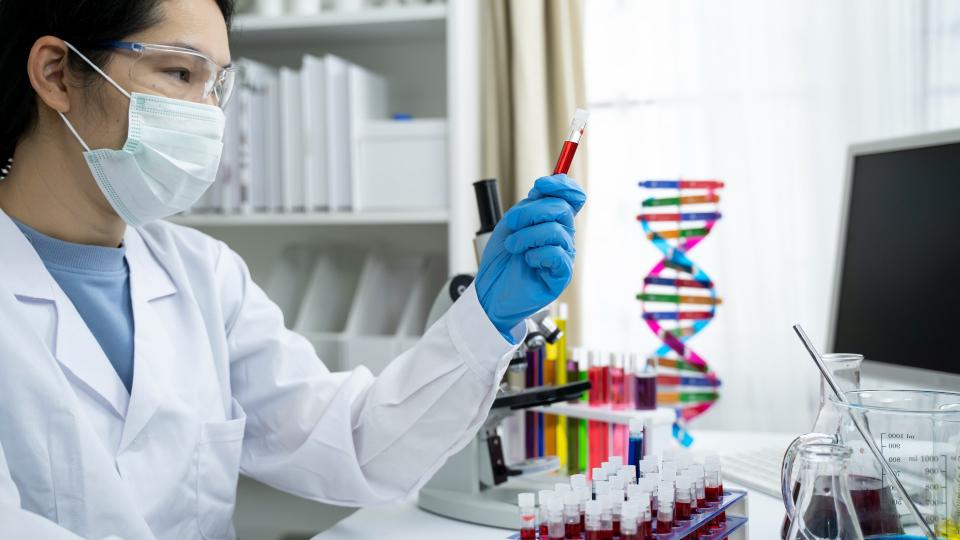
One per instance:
(149,282)
(153,281)
(74,346)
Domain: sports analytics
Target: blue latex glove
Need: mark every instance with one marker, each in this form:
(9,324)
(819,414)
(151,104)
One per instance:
(528,260)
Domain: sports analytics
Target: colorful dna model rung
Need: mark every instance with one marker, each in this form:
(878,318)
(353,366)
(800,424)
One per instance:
(678,297)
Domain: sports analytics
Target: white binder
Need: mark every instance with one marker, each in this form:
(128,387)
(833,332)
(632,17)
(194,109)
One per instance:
(291,141)
(313,101)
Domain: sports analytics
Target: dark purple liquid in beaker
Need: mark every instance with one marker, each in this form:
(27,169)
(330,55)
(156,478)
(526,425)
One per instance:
(874,504)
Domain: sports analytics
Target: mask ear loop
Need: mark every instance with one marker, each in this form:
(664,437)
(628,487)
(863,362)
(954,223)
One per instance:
(102,74)
(98,70)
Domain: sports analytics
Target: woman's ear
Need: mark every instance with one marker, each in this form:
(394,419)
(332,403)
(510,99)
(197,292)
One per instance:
(47,69)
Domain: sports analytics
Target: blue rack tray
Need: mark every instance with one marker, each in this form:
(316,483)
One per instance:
(692,529)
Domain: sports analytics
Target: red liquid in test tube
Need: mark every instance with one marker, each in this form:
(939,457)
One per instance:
(569,149)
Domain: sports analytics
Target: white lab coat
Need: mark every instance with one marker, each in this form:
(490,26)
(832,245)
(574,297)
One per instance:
(220,386)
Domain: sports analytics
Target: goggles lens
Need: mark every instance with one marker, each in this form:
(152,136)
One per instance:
(180,74)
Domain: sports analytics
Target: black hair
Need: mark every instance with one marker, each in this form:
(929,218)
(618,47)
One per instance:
(85,24)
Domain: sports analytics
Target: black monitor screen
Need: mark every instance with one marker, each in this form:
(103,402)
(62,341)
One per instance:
(899,297)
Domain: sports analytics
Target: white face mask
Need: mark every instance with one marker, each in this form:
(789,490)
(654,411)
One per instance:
(169,160)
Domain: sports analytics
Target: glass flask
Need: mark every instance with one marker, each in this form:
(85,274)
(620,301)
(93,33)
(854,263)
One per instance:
(845,369)
(823,509)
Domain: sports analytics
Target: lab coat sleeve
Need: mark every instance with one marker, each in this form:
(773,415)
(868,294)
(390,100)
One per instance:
(15,522)
(350,438)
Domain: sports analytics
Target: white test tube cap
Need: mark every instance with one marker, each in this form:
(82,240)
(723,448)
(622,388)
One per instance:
(584,493)
(684,483)
(616,461)
(525,500)
(616,482)
(629,511)
(633,490)
(562,487)
(571,499)
(617,495)
(556,506)
(599,473)
(593,508)
(636,425)
(545,496)
(631,471)
(601,487)
(578,480)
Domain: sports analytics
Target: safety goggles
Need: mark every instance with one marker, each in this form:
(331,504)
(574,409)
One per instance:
(178,73)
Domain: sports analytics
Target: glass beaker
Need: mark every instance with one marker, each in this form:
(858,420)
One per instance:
(845,369)
(824,509)
(918,434)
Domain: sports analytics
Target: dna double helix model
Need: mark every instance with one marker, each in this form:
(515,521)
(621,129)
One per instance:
(678,298)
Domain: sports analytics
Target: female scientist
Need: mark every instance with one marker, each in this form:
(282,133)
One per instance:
(141,369)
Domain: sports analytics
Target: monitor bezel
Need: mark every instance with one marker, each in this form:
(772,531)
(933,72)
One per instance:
(884,370)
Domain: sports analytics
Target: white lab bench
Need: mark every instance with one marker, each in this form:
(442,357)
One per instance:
(406,520)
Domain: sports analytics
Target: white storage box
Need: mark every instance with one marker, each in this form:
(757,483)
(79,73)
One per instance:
(401,165)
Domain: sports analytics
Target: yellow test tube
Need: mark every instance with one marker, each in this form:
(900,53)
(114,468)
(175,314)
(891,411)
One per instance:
(561,378)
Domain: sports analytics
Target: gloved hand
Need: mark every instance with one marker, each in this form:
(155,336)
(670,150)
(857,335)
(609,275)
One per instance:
(528,260)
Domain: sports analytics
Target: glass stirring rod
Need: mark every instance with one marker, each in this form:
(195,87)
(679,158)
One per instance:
(577,125)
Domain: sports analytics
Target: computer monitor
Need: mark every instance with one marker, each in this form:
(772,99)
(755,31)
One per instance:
(897,288)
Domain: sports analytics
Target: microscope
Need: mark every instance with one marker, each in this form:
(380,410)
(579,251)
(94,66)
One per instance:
(476,485)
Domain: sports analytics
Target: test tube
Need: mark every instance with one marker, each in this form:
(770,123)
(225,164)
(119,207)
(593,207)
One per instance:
(645,385)
(555,526)
(616,504)
(584,496)
(713,488)
(664,508)
(606,518)
(630,473)
(544,497)
(684,498)
(616,461)
(629,515)
(645,525)
(592,529)
(562,487)
(629,379)
(635,449)
(528,516)
(599,431)
(571,515)
(577,125)
(634,491)
(700,486)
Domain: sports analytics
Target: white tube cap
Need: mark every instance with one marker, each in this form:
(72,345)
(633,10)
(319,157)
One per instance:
(525,500)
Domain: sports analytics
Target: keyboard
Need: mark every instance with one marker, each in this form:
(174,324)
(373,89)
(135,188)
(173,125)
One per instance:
(755,468)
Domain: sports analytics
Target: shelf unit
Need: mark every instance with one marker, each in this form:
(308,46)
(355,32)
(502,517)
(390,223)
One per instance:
(431,217)
(429,54)
(390,23)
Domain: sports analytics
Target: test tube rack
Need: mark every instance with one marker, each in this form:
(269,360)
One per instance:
(733,506)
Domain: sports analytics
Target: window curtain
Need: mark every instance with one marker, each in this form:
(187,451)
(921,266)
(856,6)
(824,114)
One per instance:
(532,76)
(767,96)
